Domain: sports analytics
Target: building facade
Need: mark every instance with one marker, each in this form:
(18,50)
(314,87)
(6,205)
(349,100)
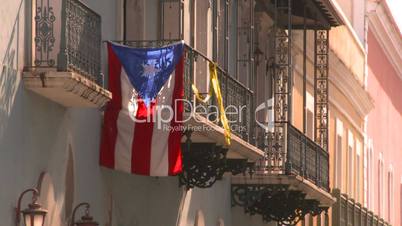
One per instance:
(383,189)
(296,69)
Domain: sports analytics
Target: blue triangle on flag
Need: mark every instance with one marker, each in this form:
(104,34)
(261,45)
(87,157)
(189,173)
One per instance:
(148,69)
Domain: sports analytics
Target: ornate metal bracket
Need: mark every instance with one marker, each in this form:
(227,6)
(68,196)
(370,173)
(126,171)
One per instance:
(44,34)
(274,202)
(205,163)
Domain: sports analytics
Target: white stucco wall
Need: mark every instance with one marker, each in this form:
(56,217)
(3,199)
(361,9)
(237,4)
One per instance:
(35,134)
(239,218)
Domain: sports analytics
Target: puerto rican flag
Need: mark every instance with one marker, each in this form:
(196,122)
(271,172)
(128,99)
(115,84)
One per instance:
(145,83)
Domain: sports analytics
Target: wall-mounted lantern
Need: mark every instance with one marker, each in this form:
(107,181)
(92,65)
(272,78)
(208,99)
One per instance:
(34,215)
(85,220)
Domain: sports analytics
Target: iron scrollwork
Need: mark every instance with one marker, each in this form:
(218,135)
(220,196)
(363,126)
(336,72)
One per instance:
(83,40)
(321,52)
(203,163)
(44,34)
(274,202)
(282,79)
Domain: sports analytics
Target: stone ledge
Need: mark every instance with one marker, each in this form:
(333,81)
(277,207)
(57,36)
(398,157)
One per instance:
(69,89)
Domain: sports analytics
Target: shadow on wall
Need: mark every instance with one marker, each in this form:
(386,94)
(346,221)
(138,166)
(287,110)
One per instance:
(9,73)
(141,200)
(50,202)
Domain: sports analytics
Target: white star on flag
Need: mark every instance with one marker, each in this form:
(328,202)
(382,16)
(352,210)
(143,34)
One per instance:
(149,70)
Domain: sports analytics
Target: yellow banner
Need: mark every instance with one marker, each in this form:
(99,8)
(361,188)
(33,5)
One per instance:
(217,90)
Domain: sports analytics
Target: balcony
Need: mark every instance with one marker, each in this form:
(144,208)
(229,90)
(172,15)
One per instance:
(233,94)
(64,62)
(209,157)
(348,212)
(293,177)
(292,180)
(307,159)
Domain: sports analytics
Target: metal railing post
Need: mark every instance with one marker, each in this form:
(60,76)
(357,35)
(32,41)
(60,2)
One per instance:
(62,58)
(29,24)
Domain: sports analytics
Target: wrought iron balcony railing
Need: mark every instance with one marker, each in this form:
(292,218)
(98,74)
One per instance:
(294,153)
(289,182)
(306,158)
(347,211)
(67,37)
(233,92)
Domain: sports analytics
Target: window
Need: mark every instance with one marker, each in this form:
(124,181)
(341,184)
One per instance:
(310,115)
(390,194)
(358,171)
(221,32)
(370,182)
(368,174)
(365,160)
(171,26)
(310,124)
(244,41)
(350,164)
(338,155)
(203,27)
(380,186)
(203,37)
(400,201)
(153,20)
(232,50)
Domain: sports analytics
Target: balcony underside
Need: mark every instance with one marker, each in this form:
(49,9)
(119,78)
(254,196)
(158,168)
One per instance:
(206,157)
(311,14)
(294,183)
(212,133)
(285,199)
(69,89)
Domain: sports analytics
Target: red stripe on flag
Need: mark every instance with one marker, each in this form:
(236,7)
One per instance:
(142,142)
(109,131)
(175,161)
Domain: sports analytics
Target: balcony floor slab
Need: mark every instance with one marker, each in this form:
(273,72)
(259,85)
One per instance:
(69,89)
(210,132)
(295,182)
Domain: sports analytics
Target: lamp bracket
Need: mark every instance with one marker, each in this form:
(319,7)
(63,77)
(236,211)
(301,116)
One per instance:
(36,194)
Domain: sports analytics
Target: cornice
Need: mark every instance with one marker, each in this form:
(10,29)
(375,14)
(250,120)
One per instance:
(386,32)
(345,81)
(347,24)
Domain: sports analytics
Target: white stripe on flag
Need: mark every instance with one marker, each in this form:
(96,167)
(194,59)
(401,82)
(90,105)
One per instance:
(125,127)
(160,137)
